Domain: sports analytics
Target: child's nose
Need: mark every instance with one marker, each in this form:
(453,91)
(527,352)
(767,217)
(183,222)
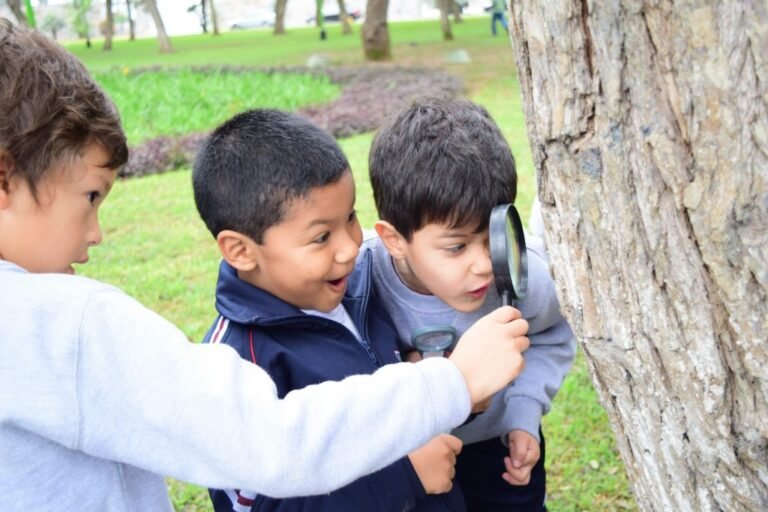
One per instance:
(94,234)
(482,261)
(347,250)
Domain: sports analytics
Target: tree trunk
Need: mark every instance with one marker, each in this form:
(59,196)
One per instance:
(280,17)
(215,18)
(649,128)
(346,26)
(375,33)
(445,22)
(162,36)
(110,28)
(204,16)
(18,13)
(456,9)
(131,23)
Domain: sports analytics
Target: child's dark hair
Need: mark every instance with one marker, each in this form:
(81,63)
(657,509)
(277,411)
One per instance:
(440,160)
(50,108)
(253,165)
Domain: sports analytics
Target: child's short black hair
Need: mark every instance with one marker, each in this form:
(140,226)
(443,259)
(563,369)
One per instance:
(50,108)
(440,160)
(253,165)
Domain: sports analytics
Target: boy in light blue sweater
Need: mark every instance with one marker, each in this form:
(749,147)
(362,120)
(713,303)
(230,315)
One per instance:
(101,397)
(437,169)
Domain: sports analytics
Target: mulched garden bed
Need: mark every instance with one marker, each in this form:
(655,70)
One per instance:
(368,96)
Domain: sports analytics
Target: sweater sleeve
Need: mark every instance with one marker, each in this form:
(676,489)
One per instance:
(521,405)
(149,398)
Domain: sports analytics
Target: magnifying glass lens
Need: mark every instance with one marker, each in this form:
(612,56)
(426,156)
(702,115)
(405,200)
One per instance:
(433,342)
(513,254)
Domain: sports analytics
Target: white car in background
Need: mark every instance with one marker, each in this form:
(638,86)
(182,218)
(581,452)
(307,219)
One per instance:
(260,18)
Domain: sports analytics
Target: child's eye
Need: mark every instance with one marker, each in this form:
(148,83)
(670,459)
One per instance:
(454,249)
(322,238)
(352,216)
(93,196)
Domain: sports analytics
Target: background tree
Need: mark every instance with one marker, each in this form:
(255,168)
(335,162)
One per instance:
(346,25)
(18,13)
(445,21)
(649,128)
(214,18)
(53,23)
(162,35)
(131,22)
(201,9)
(375,33)
(456,10)
(280,17)
(109,28)
(79,12)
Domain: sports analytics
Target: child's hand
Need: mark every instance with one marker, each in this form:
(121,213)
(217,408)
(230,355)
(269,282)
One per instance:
(524,453)
(413,356)
(489,354)
(434,463)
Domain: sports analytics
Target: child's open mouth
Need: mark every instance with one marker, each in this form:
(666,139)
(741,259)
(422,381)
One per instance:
(339,284)
(480,292)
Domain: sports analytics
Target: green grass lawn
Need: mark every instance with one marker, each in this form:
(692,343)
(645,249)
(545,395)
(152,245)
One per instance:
(158,250)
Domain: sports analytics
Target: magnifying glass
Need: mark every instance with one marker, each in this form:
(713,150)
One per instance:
(508,255)
(434,340)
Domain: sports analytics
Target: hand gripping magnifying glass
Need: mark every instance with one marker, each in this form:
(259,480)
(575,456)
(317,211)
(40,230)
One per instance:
(508,255)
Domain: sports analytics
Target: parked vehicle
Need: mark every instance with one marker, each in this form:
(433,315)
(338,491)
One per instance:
(331,13)
(255,19)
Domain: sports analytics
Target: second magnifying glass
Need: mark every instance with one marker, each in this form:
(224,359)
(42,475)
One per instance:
(434,340)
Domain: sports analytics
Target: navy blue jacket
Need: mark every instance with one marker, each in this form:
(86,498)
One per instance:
(298,350)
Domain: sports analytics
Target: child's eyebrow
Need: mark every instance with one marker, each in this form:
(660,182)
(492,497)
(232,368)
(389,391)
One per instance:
(453,234)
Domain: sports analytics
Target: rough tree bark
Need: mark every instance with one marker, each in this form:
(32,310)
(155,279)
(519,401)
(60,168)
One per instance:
(648,122)
(375,33)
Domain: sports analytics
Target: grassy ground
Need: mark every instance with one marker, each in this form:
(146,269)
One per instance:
(158,250)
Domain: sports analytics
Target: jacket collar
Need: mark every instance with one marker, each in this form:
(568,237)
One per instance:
(244,303)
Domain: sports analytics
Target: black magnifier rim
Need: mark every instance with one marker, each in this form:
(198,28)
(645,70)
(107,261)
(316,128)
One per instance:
(500,247)
(434,329)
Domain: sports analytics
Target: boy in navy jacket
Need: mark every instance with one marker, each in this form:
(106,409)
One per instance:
(278,195)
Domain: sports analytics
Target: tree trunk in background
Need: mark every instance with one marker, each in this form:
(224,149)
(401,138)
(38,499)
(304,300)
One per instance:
(445,22)
(131,23)
(649,128)
(162,36)
(214,18)
(280,17)
(18,13)
(375,33)
(346,26)
(110,28)
(456,9)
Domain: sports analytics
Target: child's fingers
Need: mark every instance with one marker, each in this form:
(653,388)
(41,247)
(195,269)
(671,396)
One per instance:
(454,443)
(516,476)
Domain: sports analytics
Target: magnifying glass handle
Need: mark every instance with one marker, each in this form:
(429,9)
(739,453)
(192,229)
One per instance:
(506,298)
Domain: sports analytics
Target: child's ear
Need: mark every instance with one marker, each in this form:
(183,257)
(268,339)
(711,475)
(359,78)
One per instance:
(238,250)
(5,175)
(395,243)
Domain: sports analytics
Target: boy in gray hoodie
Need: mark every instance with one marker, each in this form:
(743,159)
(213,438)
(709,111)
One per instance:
(437,169)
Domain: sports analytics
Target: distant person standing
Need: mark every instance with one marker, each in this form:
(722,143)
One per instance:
(498,10)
